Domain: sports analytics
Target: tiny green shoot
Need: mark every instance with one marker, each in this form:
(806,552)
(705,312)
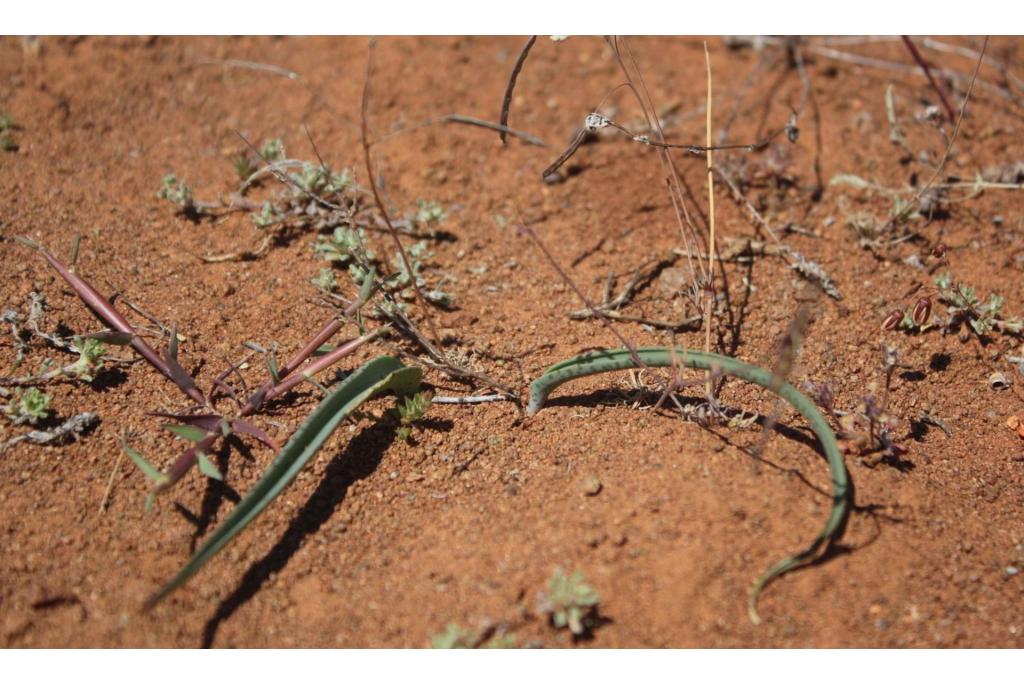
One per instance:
(179,193)
(570,602)
(409,411)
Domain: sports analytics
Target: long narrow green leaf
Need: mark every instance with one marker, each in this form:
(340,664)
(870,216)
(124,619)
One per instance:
(383,373)
(152,472)
(612,360)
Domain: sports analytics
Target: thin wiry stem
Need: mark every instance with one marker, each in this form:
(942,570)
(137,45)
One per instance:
(106,313)
(380,203)
(710,307)
(523,228)
(506,101)
(945,155)
(527,138)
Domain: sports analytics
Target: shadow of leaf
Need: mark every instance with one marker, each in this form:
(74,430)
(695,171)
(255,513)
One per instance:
(359,459)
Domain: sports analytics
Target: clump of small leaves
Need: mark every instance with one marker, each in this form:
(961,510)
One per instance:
(429,213)
(267,216)
(455,636)
(343,246)
(28,406)
(90,359)
(245,165)
(317,179)
(325,281)
(417,253)
(179,193)
(963,306)
(570,602)
(410,411)
(347,247)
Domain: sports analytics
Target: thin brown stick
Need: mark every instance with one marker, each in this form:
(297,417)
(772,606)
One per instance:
(283,72)
(931,79)
(564,157)
(710,295)
(506,102)
(501,128)
(854,58)
(524,229)
(380,203)
(527,138)
(646,140)
(945,155)
(796,261)
(110,482)
(692,322)
(687,231)
(808,96)
(1002,67)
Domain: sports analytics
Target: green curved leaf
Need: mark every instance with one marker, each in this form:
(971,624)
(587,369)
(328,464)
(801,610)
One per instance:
(378,375)
(190,433)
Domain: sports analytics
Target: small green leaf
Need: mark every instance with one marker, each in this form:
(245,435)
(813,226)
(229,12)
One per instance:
(151,471)
(272,367)
(366,290)
(208,468)
(190,433)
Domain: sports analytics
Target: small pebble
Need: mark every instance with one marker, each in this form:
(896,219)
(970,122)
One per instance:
(591,485)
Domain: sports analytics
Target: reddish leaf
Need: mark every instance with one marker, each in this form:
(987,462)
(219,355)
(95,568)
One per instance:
(240,426)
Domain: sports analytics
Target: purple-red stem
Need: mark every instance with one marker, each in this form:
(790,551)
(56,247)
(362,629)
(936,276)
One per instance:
(105,311)
(931,79)
(186,460)
(316,366)
(183,463)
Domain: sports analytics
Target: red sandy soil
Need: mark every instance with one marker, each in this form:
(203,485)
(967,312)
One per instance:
(381,543)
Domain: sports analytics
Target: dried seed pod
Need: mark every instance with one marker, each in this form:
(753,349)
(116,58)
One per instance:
(922,311)
(893,320)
